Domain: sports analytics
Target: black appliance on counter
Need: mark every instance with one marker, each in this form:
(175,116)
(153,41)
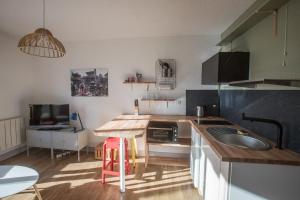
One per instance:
(162,132)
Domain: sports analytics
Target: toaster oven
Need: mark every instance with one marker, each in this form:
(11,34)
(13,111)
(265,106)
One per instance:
(162,132)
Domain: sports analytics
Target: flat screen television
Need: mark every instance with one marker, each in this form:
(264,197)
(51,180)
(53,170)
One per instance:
(49,115)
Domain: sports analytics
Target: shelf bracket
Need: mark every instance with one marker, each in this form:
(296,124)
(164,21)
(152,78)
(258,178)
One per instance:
(275,19)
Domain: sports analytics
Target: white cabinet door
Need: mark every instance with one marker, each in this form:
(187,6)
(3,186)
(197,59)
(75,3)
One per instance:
(45,139)
(202,166)
(213,170)
(71,141)
(39,139)
(2,136)
(192,154)
(66,141)
(82,139)
(58,140)
(196,157)
(33,138)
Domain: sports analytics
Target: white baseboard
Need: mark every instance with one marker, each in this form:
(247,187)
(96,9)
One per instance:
(12,152)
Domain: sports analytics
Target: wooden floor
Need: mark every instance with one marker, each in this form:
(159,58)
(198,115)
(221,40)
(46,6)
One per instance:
(67,179)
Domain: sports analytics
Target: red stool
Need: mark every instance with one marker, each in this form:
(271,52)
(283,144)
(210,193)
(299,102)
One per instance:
(113,144)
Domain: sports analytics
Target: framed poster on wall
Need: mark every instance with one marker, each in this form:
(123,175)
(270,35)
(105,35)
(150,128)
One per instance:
(90,82)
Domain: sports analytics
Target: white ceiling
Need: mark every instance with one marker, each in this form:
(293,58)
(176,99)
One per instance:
(81,20)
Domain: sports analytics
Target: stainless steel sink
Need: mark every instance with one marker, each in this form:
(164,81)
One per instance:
(231,137)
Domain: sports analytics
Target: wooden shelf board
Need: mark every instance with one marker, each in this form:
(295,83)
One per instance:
(140,82)
(157,100)
(181,142)
(254,14)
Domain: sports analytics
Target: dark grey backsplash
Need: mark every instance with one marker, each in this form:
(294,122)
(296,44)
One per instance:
(283,105)
(206,98)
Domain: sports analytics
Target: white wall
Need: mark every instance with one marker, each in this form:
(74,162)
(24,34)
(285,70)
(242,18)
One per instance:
(266,51)
(122,57)
(16,79)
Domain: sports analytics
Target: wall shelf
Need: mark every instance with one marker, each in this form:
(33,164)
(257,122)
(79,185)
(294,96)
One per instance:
(148,83)
(156,100)
(140,82)
(181,142)
(254,83)
(254,14)
(159,100)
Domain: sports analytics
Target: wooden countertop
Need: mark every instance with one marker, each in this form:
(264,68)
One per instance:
(128,128)
(123,125)
(225,152)
(167,118)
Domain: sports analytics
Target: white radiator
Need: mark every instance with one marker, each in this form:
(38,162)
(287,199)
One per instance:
(12,134)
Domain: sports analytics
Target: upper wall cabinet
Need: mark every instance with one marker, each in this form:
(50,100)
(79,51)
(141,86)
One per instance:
(225,67)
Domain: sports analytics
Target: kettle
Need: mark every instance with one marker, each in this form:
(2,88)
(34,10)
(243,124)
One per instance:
(200,111)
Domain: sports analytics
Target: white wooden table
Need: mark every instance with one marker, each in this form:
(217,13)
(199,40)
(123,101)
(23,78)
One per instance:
(122,129)
(15,179)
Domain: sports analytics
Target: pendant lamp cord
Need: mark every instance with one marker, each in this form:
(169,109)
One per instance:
(285,36)
(44,11)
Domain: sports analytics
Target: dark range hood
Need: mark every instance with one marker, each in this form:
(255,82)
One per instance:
(225,67)
(232,68)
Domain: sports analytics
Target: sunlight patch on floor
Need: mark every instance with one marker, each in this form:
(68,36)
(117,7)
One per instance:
(72,174)
(152,189)
(81,165)
(160,182)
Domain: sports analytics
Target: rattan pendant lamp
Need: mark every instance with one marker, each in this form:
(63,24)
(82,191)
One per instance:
(42,43)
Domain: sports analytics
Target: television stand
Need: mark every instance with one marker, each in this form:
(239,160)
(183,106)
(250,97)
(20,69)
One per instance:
(63,139)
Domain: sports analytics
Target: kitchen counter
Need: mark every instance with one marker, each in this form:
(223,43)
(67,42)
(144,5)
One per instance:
(225,152)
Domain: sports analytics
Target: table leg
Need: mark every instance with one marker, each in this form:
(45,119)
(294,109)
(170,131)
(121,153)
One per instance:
(78,155)
(27,150)
(133,150)
(52,153)
(37,192)
(146,149)
(122,165)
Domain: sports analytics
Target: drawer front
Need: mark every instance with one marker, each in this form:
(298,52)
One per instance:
(39,139)
(66,141)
